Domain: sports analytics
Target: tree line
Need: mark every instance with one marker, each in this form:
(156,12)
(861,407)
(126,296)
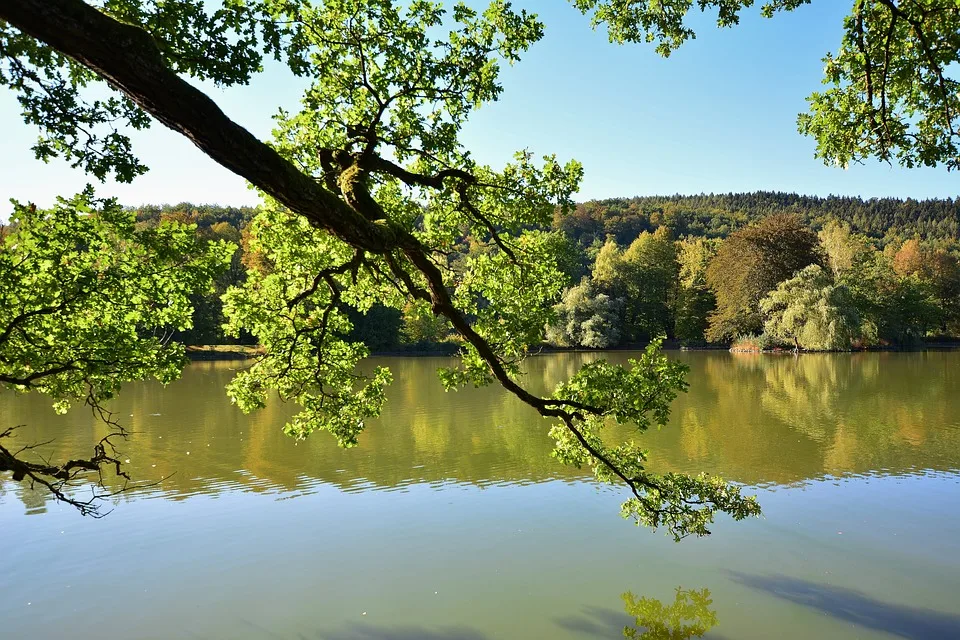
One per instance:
(774,283)
(369,192)
(762,270)
(885,220)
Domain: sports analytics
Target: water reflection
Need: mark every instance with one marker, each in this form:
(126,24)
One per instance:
(690,615)
(765,419)
(759,420)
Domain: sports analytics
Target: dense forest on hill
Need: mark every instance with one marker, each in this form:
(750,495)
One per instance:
(717,215)
(698,269)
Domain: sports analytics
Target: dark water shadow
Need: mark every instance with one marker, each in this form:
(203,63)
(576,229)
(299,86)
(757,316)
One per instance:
(914,623)
(596,621)
(362,631)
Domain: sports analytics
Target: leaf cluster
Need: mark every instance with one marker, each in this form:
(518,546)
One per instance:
(87,299)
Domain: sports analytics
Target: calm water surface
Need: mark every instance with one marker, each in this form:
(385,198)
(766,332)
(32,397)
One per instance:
(450,521)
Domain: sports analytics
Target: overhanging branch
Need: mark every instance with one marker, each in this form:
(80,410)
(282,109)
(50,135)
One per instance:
(130,60)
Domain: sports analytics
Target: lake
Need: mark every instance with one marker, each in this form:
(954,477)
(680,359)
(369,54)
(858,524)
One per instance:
(451,521)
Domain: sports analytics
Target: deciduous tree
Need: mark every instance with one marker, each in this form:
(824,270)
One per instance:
(586,317)
(751,263)
(694,300)
(366,189)
(812,310)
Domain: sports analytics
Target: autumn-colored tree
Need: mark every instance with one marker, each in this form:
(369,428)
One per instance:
(751,263)
(909,258)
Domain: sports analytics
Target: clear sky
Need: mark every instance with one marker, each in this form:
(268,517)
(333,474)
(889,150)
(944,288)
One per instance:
(717,116)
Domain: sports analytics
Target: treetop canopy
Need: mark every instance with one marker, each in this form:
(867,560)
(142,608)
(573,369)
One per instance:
(367,186)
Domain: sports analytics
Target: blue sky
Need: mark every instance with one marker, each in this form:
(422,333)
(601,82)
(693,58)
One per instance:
(717,116)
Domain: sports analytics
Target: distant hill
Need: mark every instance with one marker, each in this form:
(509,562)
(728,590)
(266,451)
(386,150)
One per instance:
(716,215)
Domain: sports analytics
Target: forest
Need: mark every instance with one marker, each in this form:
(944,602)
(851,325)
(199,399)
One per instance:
(372,197)
(757,270)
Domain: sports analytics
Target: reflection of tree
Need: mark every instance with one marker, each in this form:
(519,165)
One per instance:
(688,616)
(34,498)
(755,419)
(783,419)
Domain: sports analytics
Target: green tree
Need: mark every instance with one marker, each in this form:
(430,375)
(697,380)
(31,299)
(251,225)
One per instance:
(651,277)
(812,311)
(421,326)
(644,277)
(367,190)
(938,271)
(87,302)
(896,309)
(380,328)
(586,317)
(609,271)
(694,301)
(846,252)
(751,263)
(572,260)
(941,270)
(208,318)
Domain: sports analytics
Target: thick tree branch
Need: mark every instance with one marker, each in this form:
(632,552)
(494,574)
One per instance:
(382,165)
(128,58)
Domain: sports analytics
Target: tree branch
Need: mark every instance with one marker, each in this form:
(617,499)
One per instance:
(130,60)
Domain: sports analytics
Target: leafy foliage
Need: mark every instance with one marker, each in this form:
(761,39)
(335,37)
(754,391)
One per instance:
(891,93)
(586,318)
(370,195)
(885,220)
(813,310)
(694,300)
(688,616)
(87,298)
(641,395)
(88,301)
(749,264)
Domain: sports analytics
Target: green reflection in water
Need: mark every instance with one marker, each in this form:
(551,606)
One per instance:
(688,616)
(758,420)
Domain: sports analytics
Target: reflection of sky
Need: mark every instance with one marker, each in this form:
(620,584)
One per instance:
(450,517)
(500,561)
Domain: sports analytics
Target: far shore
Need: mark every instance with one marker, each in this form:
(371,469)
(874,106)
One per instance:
(245,352)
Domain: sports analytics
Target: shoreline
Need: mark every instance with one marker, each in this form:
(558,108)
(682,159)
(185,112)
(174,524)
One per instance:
(247,352)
